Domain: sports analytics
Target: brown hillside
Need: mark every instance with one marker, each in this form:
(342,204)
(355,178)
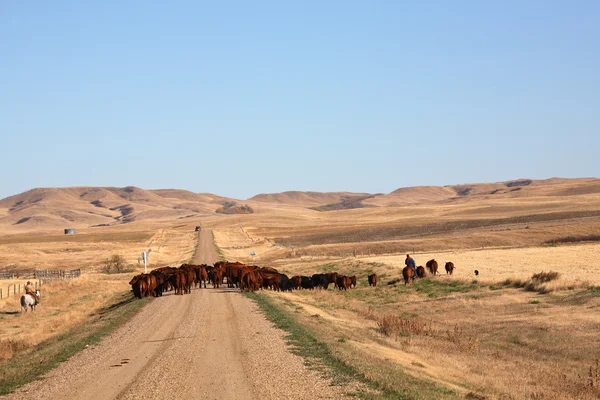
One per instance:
(80,207)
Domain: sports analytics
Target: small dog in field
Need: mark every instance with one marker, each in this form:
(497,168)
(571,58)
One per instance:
(476,273)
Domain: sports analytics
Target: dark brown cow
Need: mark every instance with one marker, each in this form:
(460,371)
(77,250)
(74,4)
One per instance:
(353,281)
(421,272)
(408,274)
(296,282)
(139,287)
(135,279)
(450,267)
(269,270)
(432,266)
(372,280)
(331,278)
(272,281)
(343,282)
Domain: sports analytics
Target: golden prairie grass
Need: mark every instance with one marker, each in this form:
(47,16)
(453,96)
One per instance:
(89,251)
(483,336)
(63,305)
(512,351)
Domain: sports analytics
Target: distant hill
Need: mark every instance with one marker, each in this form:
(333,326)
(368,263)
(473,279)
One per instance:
(78,207)
(100,206)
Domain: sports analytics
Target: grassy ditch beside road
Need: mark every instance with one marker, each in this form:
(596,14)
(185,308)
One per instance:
(327,356)
(36,361)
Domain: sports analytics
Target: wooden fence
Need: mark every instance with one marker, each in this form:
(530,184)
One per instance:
(48,274)
(26,274)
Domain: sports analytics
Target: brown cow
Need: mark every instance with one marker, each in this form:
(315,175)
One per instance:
(421,272)
(408,274)
(150,285)
(178,280)
(190,277)
(373,280)
(449,267)
(432,266)
(217,277)
(353,281)
(160,282)
(246,282)
(249,280)
(232,272)
(139,287)
(202,275)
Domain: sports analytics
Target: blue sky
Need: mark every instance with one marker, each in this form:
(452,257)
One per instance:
(240,98)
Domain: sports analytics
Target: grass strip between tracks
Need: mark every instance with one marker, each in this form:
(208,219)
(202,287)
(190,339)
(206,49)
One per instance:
(305,343)
(35,362)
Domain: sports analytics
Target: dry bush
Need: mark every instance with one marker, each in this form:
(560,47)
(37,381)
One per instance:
(545,276)
(544,283)
(116,265)
(398,326)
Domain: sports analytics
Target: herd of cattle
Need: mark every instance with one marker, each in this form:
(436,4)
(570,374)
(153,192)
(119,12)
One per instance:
(251,278)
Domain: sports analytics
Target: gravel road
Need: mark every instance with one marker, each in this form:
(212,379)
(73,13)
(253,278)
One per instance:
(212,344)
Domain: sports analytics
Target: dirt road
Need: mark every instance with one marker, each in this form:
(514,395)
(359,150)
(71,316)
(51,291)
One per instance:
(212,344)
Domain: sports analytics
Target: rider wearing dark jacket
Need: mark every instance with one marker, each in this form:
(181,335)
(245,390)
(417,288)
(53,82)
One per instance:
(410,262)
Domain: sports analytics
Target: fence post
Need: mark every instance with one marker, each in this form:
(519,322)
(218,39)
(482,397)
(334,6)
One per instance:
(14,289)
(0,293)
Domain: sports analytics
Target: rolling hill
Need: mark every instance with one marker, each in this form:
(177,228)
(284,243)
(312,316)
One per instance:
(82,207)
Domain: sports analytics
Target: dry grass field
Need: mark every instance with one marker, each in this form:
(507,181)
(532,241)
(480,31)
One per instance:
(499,335)
(491,336)
(67,304)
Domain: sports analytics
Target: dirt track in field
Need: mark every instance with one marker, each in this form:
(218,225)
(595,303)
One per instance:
(212,344)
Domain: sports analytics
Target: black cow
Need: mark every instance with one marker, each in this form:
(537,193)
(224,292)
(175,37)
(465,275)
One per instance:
(307,283)
(285,283)
(317,279)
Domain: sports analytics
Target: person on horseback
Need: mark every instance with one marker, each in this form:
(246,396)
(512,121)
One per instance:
(410,262)
(30,290)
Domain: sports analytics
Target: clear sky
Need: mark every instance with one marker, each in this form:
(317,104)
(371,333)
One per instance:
(240,98)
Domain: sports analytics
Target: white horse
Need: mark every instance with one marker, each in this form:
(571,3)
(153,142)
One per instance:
(28,300)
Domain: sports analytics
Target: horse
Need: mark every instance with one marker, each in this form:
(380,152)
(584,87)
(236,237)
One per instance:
(28,300)
(449,267)
(421,272)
